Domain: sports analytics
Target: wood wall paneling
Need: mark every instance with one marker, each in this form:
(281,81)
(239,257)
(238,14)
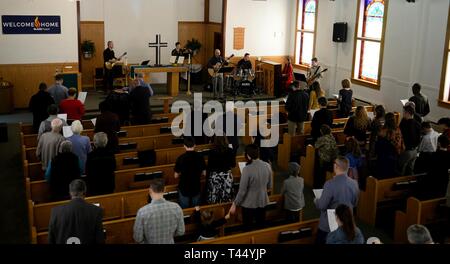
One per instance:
(27,77)
(204,32)
(94,31)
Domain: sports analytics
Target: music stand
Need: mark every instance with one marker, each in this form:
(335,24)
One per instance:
(226,69)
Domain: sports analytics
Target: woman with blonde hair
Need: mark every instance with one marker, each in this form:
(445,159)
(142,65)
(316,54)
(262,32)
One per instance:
(358,125)
(316,93)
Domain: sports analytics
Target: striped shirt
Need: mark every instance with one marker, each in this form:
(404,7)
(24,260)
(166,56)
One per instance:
(158,223)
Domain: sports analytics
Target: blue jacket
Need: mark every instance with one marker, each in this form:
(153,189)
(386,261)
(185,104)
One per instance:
(339,190)
(338,237)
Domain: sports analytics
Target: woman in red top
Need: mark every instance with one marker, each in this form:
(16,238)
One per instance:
(288,73)
(71,106)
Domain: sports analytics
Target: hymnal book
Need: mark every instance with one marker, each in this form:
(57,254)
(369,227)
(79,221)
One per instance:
(67,131)
(241,166)
(63,117)
(331,213)
(82,97)
(317,193)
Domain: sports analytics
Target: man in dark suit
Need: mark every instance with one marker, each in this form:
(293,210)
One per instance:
(77,222)
(39,104)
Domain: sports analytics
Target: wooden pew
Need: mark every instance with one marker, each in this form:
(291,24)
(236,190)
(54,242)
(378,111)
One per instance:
(121,231)
(125,180)
(163,156)
(417,212)
(307,235)
(125,132)
(27,129)
(161,144)
(383,191)
(297,143)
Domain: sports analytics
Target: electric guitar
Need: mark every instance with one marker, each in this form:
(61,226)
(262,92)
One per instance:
(313,78)
(110,64)
(213,72)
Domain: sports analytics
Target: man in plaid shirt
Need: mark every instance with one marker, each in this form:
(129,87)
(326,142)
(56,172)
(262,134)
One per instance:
(159,221)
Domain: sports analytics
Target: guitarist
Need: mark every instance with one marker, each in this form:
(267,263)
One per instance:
(215,63)
(108,56)
(314,72)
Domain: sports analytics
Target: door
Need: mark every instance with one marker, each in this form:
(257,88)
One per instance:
(95,32)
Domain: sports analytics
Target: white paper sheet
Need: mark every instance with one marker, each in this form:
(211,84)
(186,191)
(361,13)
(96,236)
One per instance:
(82,97)
(318,193)
(404,101)
(332,220)
(94,121)
(336,96)
(312,112)
(63,117)
(67,131)
(371,115)
(241,166)
(96,204)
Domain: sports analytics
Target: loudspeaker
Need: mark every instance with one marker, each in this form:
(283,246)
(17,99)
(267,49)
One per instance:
(3,132)
(340,32)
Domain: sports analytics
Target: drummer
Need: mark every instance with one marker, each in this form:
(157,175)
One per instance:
(245,63)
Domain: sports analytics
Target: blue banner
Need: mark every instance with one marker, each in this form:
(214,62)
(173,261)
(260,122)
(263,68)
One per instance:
(31,24)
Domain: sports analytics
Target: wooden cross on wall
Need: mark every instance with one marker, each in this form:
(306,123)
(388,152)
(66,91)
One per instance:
(158,45)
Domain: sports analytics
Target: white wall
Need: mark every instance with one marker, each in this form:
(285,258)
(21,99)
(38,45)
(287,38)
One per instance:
(91,10)
(25,49)
(215,11)
(413,51)
(133,24)
(267,26)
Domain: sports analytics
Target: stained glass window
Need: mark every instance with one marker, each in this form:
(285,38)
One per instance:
(369,40)
(305,33)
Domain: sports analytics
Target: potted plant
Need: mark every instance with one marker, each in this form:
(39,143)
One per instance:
(88,49)
(194,45)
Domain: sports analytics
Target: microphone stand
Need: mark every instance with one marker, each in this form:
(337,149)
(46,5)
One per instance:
(188,93)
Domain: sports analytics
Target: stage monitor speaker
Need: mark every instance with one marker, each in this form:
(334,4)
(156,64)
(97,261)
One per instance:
(340,32)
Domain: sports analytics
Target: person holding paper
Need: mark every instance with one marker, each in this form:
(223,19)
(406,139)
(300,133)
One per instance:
(341,189)
(358,125)
(292,191)
(347,232)
(256,181)
(321,117)
(46,125)
(71,106)
(421,101)
(221,160)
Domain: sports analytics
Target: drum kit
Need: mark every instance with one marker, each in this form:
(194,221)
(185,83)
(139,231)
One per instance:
(242,82)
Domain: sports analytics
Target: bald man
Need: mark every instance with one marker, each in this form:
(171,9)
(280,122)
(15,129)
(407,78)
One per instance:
(215,63)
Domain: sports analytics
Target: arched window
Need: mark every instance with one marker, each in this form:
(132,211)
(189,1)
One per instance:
(369,42)
(444,95)
(305,31)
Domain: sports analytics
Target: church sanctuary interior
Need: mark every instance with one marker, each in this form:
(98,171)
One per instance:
(225,122)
